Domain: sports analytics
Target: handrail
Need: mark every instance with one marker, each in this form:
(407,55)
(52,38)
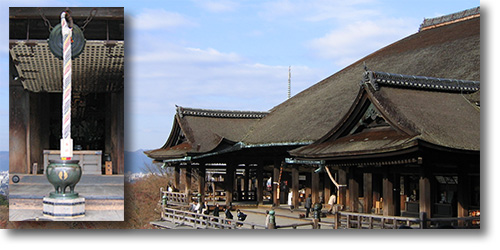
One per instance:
(370,221)
(196,220)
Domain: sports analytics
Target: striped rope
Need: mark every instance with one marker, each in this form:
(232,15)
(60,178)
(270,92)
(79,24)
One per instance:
(66,102)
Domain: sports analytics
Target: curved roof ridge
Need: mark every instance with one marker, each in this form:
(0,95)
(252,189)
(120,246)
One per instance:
(184,111)
(377,78)
(430,23)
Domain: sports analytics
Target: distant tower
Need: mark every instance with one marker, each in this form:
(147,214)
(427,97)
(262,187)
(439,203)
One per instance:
(289,82)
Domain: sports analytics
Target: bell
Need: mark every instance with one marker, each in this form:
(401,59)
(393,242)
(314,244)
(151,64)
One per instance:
(56,41)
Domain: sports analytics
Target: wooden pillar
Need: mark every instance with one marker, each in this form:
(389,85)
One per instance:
(377,187)
(342,199)
(117,131)
(353,192)
(314,186)
(260,183)
(367,192)
(246,179)
(276,178)
(295,186)
(229,182)
(425,199)
(327,187)
(187,181)
(396,185)
(177,182)
(201,180)
(18,128)
(463,194)
(388,194)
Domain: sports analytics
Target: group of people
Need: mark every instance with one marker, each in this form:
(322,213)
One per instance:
(197,207)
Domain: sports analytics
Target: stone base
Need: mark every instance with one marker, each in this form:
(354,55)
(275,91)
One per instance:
(64,208)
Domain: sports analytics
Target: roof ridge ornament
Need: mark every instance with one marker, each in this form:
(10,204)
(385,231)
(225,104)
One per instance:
(378,79)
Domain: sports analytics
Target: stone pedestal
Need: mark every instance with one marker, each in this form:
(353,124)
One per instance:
(64,208)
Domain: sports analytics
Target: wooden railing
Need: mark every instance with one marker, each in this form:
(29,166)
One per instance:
(371,221)
(196,220)
(174,198)
(175,201)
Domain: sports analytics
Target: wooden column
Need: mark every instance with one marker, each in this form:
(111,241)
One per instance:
(177,182)
(425,199)
(342,199)
(377,187)
(326,186)
(201,180)
(367,192)
(229,182)
(314,186)
(396,185)
(246,179)
(463,189)
(187,181)
(388,194)
(18,128)
(260,183)
(295,186)
(353,192)
(117,131)
(276,177)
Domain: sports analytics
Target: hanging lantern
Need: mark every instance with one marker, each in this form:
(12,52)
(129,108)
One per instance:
(56,41)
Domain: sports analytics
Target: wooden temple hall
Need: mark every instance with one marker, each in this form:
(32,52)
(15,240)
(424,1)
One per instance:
(395,133)
(35,93)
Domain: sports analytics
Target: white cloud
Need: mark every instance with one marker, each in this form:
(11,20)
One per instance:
(159,19)
(217,6)
(317,10)
(353,41)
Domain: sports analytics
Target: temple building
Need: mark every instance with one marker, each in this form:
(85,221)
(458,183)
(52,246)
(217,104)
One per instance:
(398,131)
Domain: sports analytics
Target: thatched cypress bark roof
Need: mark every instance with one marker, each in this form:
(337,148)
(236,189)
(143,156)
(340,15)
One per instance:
(449,51)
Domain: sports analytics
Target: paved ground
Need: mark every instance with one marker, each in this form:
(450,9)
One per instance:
(104,196)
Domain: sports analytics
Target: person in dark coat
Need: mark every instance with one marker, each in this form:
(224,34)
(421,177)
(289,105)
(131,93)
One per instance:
(216,211)
(228,214)
(308,205)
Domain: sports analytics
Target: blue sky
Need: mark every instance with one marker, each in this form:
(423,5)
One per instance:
(234,54)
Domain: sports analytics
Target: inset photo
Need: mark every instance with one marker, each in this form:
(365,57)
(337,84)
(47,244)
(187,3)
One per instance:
(66,114)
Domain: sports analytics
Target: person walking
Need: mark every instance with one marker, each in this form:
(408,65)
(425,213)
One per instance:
(308,205)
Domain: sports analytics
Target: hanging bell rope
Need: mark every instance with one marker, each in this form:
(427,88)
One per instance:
(66,141)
